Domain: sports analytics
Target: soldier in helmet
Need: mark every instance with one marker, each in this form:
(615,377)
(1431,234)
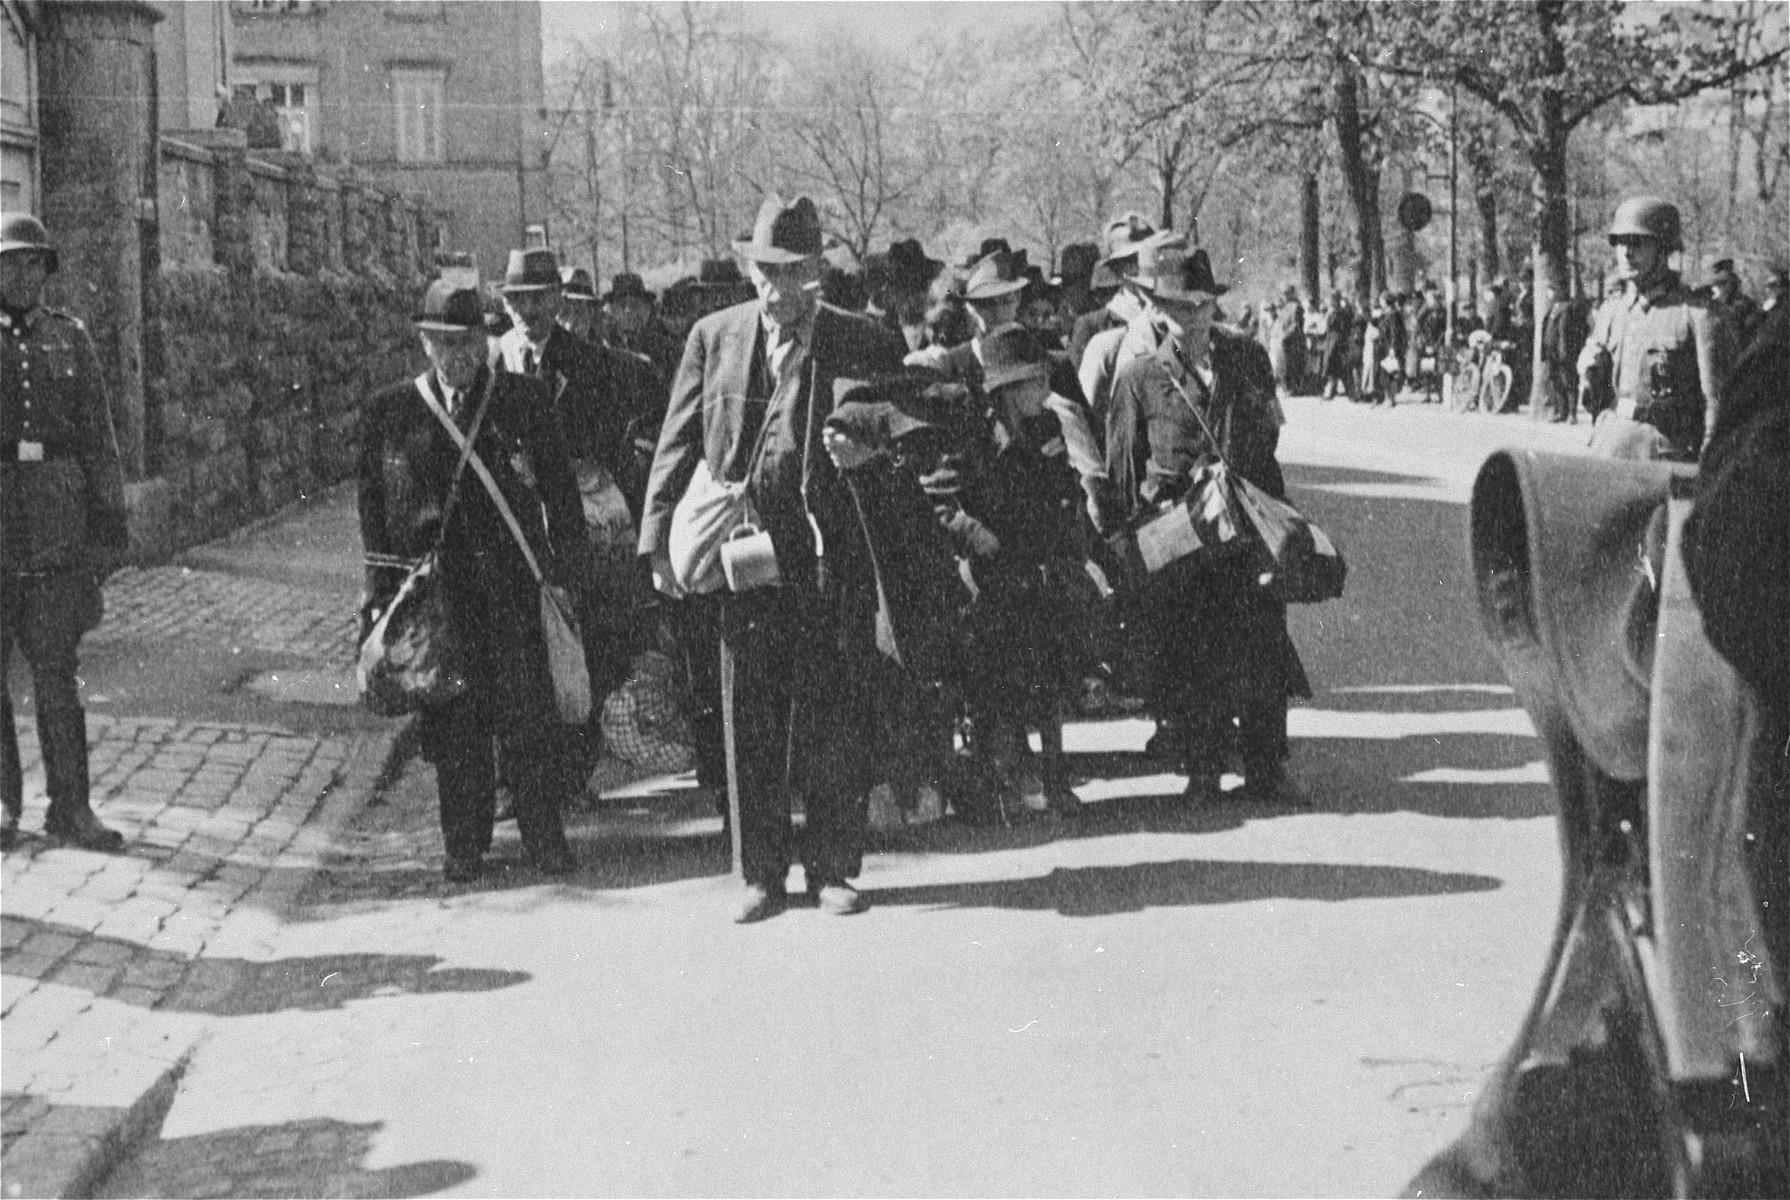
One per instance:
(1651,371)
(62,527)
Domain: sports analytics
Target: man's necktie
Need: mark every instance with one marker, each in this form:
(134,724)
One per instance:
(528,361)
(786,344)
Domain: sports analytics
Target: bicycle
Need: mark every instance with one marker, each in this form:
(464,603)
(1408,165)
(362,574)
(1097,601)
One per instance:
(1495,377)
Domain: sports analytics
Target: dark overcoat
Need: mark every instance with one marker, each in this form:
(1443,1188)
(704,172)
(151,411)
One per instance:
(1218,630)
(407,463)
(710,418)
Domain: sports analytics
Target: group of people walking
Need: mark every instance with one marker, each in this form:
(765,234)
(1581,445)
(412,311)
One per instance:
(924,503)
(934,483)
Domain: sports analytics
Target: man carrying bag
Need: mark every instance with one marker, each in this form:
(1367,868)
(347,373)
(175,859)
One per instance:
(747,408)
(1203,398)
(409,459)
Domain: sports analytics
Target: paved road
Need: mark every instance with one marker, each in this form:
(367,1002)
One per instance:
(1225,1001)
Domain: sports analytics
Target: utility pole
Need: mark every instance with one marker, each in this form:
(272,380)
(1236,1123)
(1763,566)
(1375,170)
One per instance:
(1454,102)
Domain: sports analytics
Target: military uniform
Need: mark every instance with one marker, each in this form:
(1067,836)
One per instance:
(62,523)
(1656,357)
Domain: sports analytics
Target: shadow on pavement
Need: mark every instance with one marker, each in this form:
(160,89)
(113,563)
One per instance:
(235,987)
(318,1157)
(1103,891)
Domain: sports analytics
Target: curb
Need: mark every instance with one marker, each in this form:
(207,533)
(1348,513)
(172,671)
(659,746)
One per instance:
(72,1151)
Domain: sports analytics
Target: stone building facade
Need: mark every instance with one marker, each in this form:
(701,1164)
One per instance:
(242,302)
(439,99)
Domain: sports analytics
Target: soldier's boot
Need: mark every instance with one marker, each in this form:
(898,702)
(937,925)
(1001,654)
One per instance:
(12,775)
(70,819)
(1060,796)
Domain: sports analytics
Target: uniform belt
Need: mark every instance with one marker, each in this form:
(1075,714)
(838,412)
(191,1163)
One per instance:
(22,450)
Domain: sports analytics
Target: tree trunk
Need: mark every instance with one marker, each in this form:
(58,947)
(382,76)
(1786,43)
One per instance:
(1308,238)
(1360,182)
(1553,228)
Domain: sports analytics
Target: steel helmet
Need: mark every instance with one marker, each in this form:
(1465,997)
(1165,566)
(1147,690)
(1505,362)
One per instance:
(22,231)
(1646,217)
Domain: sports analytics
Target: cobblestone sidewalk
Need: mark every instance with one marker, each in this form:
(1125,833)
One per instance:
(114,966)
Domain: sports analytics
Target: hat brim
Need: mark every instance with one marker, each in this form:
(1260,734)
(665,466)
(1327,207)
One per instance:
(48,252)
(994,291)
(1014,374)
(507,288)
(430,325)
(1172,292)
(1105,277)
(751,251)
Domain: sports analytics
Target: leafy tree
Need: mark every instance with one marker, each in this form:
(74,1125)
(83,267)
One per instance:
(1546,67)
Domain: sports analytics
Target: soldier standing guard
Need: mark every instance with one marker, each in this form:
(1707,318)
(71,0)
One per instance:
(1651,371)
(62,527)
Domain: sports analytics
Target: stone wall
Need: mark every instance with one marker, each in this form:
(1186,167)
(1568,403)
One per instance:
(282,298)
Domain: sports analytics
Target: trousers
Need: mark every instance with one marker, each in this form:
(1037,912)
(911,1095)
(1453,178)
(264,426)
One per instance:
(507,715)
(43,615)
(801,728)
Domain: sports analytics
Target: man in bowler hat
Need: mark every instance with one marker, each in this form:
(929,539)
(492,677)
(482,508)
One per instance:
(407,467)
(750,400)
(62,528)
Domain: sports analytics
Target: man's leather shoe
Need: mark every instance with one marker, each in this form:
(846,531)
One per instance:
(1272,786)
(557,861)
(82,828)
(463,870)
(839,899)
(759,902)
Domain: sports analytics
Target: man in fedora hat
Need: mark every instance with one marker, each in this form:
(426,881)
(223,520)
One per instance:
(1118,260)
(899,283)
(605,399)
(632,324)
(62,528)
(1222,652)
(579,308)
(407,471)
(1142,330)
(749,402)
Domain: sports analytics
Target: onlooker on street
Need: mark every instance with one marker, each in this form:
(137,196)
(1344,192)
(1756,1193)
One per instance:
(1286,343)
(408,490)
(62,528)
(1338,348)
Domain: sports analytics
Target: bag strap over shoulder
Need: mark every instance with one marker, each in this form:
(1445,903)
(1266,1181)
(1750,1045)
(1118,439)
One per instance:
(465,443)
(1218,447)
(468,456)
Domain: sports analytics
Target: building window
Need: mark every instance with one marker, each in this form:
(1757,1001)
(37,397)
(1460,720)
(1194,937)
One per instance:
(18,114)
(291,90)
(416,97)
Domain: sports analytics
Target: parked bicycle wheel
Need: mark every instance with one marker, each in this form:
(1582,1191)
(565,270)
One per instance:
(1494,387)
